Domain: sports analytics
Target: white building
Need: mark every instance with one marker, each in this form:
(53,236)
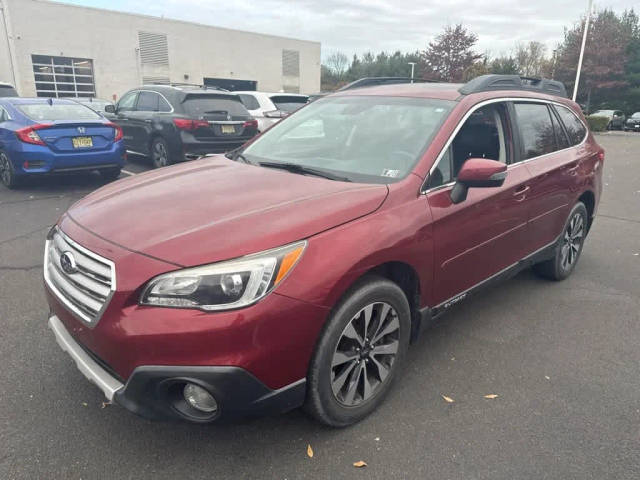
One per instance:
(55,49)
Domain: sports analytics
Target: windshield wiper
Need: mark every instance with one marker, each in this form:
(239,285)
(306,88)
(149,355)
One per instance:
(303,170)
(236,155)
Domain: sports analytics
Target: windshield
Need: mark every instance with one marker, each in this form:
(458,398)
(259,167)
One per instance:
(369,139)
(57,111)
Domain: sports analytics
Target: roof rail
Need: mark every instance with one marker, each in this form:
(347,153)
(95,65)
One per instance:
(485,83)
(195,85)
(375,81)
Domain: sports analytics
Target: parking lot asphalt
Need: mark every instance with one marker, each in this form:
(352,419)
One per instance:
(562,358)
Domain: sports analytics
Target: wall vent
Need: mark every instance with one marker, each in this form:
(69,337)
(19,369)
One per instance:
(154,48)
(290,63)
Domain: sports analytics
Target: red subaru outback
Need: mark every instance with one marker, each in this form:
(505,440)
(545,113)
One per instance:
(297,270)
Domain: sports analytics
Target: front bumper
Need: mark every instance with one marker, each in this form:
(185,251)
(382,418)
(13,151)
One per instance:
(154,392)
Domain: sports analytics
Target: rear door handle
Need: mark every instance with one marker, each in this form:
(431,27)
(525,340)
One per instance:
(521,190)
(572,167)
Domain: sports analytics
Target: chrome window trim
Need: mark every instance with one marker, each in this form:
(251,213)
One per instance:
(157,93)
(91,323)
(424,191)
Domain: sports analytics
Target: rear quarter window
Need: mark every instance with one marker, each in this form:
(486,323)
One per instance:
(7,91)
(198,106)
(249,101)
(44,112)
(288,103)
(575,128)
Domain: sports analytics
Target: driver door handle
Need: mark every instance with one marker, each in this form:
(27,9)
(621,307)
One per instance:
(521,192)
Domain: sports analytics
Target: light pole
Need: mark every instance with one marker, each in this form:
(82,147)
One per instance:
(584,40)
(413,64)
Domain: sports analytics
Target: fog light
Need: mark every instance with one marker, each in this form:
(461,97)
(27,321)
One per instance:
(199,398)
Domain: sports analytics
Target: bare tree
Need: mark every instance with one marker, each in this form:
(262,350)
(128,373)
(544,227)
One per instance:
(531,59)
(338,63)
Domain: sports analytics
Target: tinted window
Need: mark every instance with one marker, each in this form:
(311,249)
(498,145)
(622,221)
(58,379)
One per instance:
(163,105)
(561,137)
(288,103)
(147,102)
(536,129)
(483,135)
(575,129)
(7,91)
(214,106)
(371,139)
(57,111)
(249,101)
(127,102)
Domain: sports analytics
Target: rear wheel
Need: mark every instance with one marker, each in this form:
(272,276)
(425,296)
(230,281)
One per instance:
(110,174)
(7,173)
(359,353)
(569,247)
(160,152)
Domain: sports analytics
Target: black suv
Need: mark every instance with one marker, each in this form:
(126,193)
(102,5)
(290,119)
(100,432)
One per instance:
(175,123)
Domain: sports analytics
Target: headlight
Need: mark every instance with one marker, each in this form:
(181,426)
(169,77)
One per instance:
(224,285)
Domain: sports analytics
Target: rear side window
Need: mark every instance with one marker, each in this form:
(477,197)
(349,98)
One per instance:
(199,106)
(288,103)
(536,129)
(163,105)
(575,128)
(8,91)
(147,102)
(249,101)
(60,111)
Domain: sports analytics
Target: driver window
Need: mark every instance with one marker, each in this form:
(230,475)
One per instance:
(483,135)
(127,102)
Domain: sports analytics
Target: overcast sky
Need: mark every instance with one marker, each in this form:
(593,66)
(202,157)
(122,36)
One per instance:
(357,26)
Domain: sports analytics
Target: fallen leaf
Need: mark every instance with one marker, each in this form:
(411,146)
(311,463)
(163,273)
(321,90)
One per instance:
(85,404)
(309,451)
(360,464)
(447,399)
(491,396)
(377,439)
(547,377)
(105,404)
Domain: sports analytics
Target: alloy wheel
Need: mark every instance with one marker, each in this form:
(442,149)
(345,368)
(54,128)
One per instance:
(160,154)
(365,354)
(572,241)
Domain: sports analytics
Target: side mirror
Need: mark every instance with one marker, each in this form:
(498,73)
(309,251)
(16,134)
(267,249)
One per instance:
(478,173)
(110,108)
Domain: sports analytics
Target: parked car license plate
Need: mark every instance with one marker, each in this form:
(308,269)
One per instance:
(82,142)
(228,128)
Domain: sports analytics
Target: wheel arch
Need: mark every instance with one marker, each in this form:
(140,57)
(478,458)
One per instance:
(589,200)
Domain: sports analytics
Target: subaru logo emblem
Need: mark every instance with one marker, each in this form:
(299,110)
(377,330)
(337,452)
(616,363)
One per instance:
(228,117)
(68,263)
(81,130)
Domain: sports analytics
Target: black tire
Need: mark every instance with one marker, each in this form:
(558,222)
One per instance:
(160,155)
(569,247)
(110,174)
(377,370)
(7,173)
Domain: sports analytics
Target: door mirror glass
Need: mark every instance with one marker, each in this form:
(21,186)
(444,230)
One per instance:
(110,108)
(478,173)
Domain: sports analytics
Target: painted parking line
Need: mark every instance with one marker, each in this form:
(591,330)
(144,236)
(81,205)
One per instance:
(127,172)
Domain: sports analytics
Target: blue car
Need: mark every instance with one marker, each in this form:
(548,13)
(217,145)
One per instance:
(49,136)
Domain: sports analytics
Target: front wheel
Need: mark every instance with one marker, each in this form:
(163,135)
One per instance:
(7,173)
(359,353)
(160,152)
(569,247)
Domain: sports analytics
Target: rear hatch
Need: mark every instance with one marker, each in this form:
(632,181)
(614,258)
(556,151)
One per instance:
(228,118)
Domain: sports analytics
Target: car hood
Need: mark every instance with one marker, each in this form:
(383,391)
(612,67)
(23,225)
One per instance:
(214,209)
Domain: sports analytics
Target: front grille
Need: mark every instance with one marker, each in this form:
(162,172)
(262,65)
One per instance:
(88,282)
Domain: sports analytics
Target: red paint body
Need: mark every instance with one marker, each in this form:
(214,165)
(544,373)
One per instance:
(216,209)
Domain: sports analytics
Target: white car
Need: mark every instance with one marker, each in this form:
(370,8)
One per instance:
(269,108)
